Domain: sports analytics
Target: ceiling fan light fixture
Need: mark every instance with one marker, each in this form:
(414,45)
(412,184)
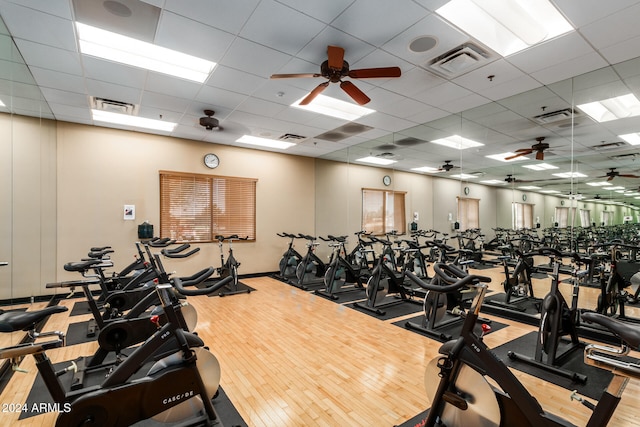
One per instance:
(264,142)
(631,138)
(506,26)
(615,108)
(126,50)
(333,107)
(458,142)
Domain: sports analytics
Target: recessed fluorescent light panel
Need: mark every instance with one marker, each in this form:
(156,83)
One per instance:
(376,160)
(540,166)
(124,119)
(631,138)
(493,182)
(427,169)
(616,108)
(264,142)
(503,157)
(570,175)
(334,107)
(550,191)
(617,187)
(598,183)
(457,142)
(464,176)
(506,26)
(126,50)
(529,187)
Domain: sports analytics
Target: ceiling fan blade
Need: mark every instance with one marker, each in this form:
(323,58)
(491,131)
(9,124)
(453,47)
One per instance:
(294,76)
(368,73)
(611,177)
(540,155)
(629,176)
(523,152)
(315,92)
(355,93)
(335,57)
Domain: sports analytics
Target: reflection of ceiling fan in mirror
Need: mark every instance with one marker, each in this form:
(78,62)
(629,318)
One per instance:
(613,173)
(448,166)
(334,69)
(512,179)
(537,148)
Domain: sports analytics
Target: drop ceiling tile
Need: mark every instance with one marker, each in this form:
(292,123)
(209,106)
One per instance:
(364,19)
(254,58)
(589,62)
(60,97)
(113,72)
(260,107)
(48,57)
(614,28)
(441,94)
(274,24)
(167,85)
(316,50)
(588,11)
(622,51)
(70,113)
(191,37)
(235,80)
(61,9)
(54,79)
(51,30)
(386,122)
(509,88)
(228,16)
(164,102)
(413,81)
(325,11)
(219,97)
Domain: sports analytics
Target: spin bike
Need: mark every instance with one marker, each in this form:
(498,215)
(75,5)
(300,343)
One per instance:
(290,259)
(558,319)
(443,310)
(177,388)
(385,281)
(230,267)
(341,272)
(623,273)
(310,268)
(462,396)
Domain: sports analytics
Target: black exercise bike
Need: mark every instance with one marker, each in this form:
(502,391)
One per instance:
(462,396)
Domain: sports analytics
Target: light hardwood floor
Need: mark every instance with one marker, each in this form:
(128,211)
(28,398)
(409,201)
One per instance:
(290,358)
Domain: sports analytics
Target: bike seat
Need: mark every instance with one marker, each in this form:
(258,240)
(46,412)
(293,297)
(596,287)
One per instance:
(81,265)
(11,321)
(630,334)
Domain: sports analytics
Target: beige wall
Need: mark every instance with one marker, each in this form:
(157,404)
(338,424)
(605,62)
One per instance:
(64,187)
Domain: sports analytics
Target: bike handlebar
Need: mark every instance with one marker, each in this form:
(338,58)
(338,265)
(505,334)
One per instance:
(457,283)
(201,276)
(177,252)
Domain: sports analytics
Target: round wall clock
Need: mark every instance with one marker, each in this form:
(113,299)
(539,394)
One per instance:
(386,180)
(211,161)
(466,191)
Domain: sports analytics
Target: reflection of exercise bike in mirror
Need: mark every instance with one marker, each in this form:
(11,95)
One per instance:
(341,276)
(469,385)
(311,268)
(623,273)
(181,378)
(290,259)
(230,267)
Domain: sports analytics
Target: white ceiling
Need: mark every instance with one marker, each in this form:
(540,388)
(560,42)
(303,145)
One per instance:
(252,39)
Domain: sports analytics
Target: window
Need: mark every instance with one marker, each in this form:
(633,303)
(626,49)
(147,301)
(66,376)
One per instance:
(565,217)
(196,208)
(522,215)
(468,213)
(383,211)
(585,218)
(607,218)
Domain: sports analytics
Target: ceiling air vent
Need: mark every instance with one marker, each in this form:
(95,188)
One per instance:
(290,137)
(608,146)
(344,132)
(460,60)
(112,106)
(554,116)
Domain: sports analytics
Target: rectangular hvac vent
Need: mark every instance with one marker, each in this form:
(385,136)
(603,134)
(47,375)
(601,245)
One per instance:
(624,156)
(459,60)
(608,146)
(554,116)
(112,106)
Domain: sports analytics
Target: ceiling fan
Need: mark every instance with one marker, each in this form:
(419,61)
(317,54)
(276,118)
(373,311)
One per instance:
(447,166)
(538,148)
(334,69)
(613,173)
